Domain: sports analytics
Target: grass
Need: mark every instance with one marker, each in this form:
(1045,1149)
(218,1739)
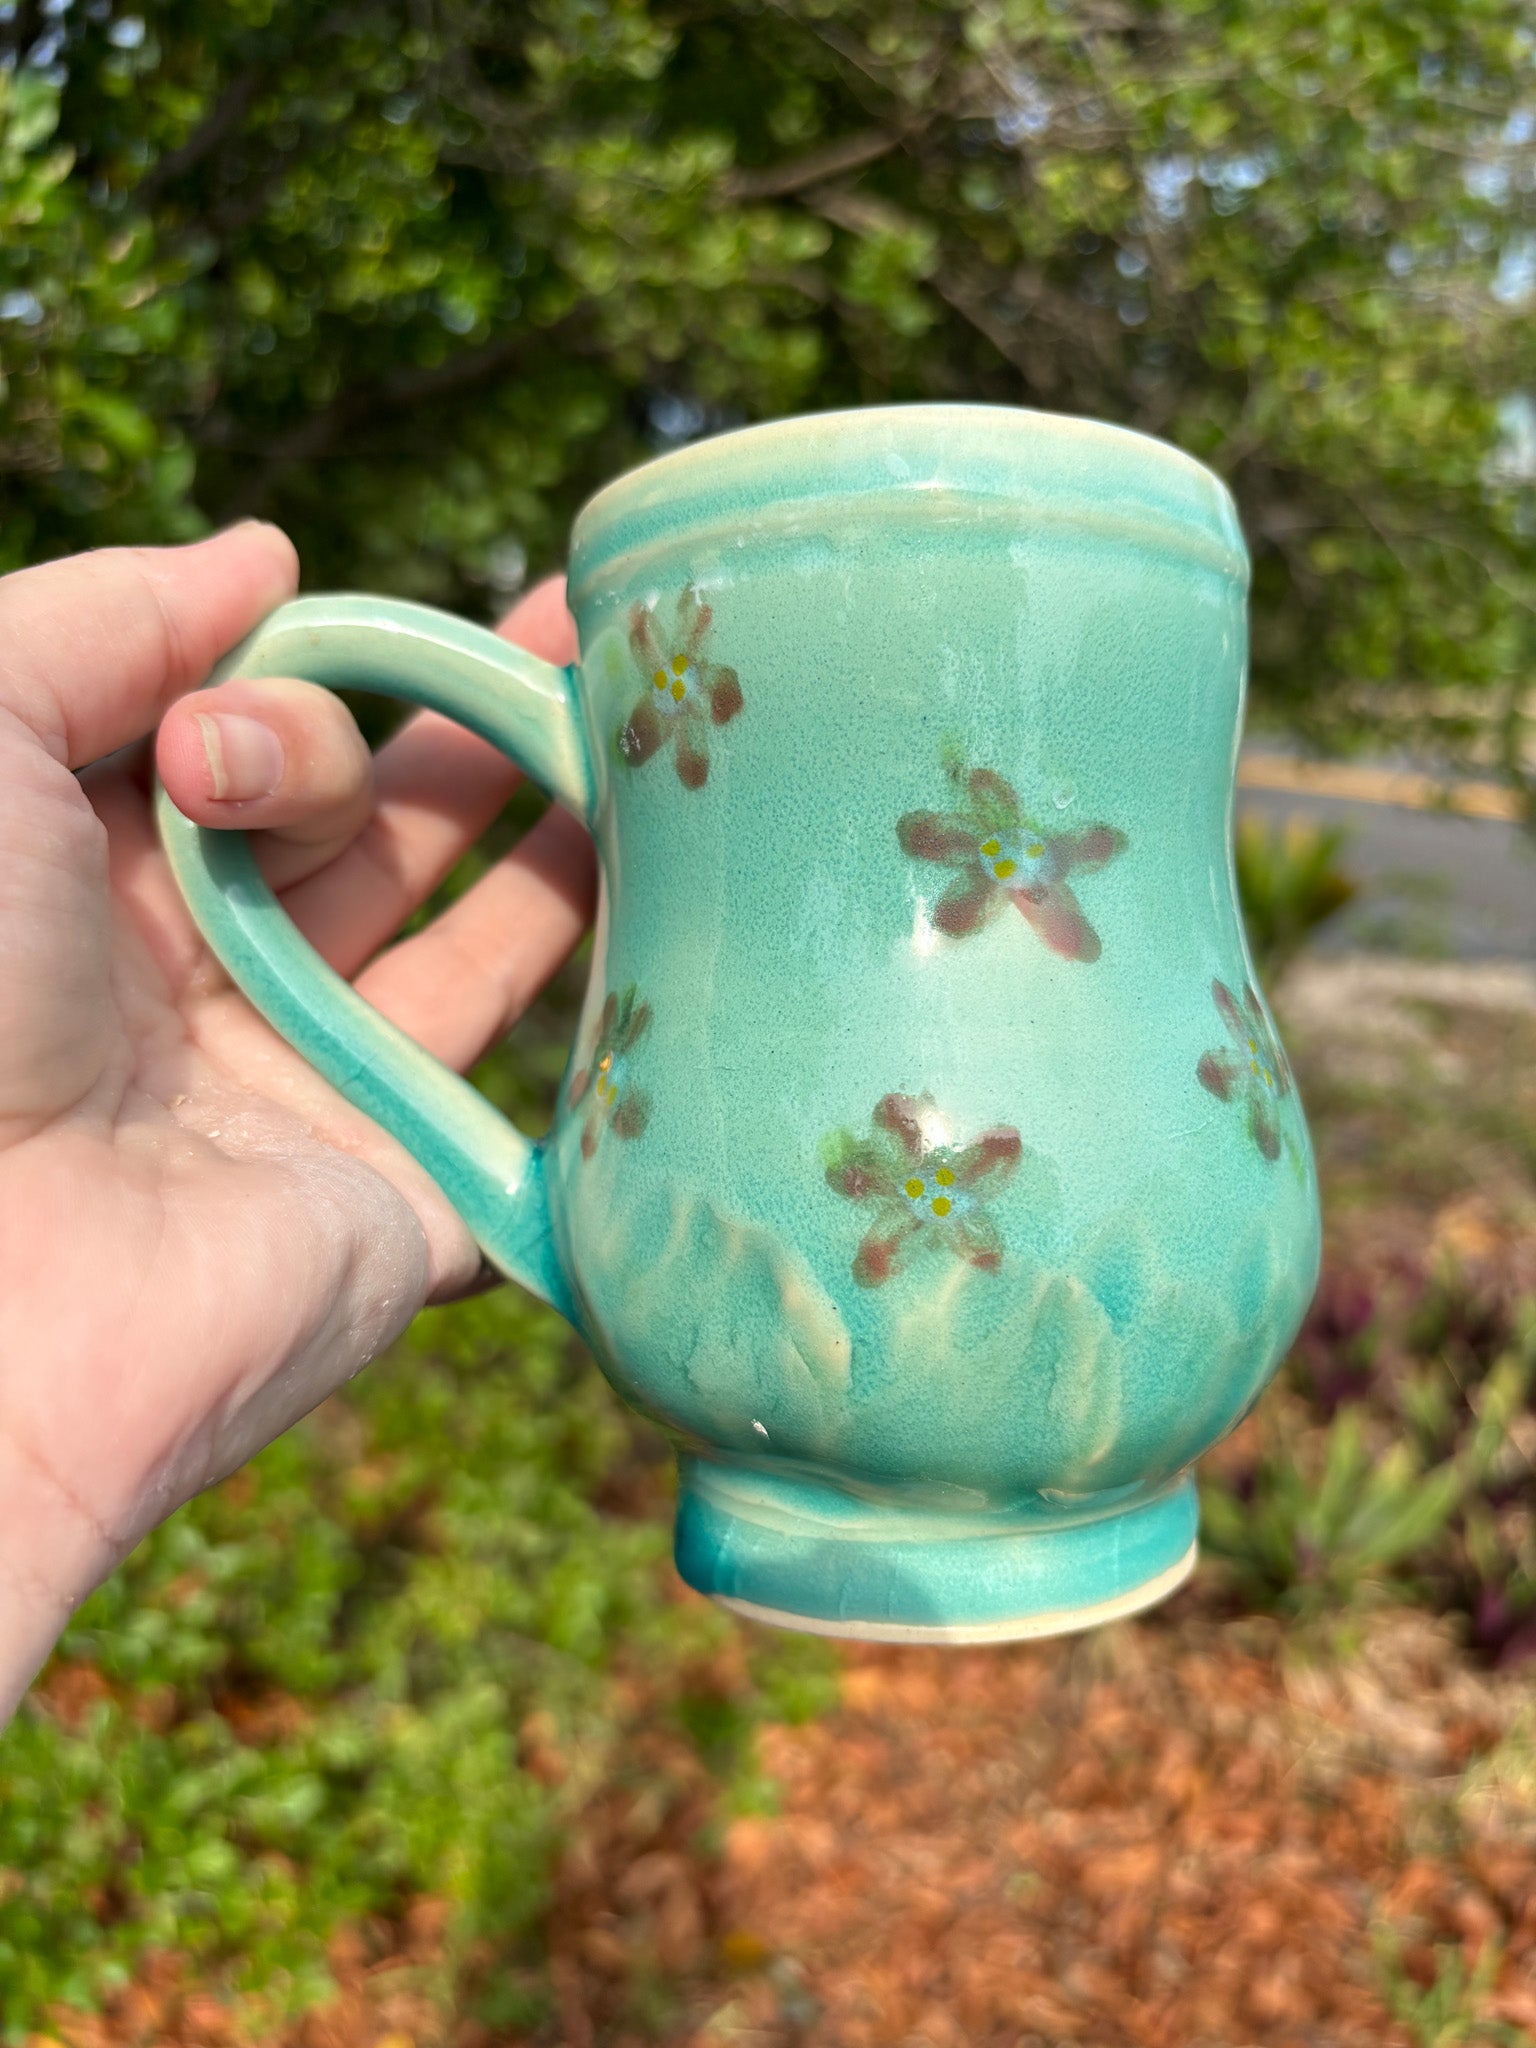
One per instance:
(1447,2011)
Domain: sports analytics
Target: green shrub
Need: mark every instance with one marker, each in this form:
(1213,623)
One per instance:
(1446,2012)
(1394,1460)
(1310,1532)
(1290,882)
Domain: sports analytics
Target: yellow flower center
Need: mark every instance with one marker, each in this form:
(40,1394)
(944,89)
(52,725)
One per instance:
(1001,860)
(1264,1073)
(673,682)
(916,1190)
(605,1086)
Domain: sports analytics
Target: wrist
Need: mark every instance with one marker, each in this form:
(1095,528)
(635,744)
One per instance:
(52,1554)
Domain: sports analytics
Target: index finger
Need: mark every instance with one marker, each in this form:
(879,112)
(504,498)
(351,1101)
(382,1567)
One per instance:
(95,648)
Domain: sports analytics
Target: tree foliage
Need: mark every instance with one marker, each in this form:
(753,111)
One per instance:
(412,276)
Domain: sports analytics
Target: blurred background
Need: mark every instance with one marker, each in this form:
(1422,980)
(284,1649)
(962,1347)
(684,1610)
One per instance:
(407,1736)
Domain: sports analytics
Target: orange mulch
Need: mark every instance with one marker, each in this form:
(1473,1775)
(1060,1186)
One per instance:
(1137,1840)
(1153,1836)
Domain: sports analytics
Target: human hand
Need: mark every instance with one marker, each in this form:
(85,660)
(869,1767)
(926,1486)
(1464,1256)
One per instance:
(199,1239)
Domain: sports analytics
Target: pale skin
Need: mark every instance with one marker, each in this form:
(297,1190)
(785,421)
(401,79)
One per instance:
(199,1239)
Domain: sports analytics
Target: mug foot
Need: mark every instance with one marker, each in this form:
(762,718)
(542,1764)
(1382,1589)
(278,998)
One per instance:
(799,1554)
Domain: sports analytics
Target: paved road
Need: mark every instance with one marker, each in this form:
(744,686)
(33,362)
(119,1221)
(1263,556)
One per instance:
(1430,883)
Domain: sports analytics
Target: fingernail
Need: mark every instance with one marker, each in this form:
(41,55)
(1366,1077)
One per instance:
(245,757)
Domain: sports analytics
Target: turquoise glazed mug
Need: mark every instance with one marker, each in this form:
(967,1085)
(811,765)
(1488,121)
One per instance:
(926,1163)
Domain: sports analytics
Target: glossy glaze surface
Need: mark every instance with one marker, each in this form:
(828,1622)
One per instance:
(925,1161)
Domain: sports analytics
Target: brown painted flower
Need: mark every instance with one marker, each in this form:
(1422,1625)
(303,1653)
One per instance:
(605,1082)
(685,692)
(925,1193)
(1257,1074)
(999,854)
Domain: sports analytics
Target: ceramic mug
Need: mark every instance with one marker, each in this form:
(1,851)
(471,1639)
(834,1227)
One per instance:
(926,1162)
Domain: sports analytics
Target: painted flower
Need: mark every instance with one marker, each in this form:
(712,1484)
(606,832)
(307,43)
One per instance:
(611,1095)
(1000,854)
(685,692)
(1257,1074)
(925,1193)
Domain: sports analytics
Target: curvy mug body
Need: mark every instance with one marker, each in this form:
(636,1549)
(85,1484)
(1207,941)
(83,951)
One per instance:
(926,1162)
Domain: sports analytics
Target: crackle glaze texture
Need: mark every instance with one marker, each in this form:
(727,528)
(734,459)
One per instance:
(926,1160)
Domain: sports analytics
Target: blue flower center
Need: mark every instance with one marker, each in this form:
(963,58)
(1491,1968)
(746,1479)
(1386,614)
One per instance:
(1261,1068)
(1021,860)
(934,1193)
(674,683)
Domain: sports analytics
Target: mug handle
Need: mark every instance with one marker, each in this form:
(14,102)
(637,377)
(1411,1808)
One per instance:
(490,1172)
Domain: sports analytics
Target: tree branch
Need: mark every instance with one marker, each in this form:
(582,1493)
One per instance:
(783,181)
(972,309)
(229,110)
(227,115)
(857,213)
(315,436)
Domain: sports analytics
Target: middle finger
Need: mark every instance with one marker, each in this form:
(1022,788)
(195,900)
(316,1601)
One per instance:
(437,788)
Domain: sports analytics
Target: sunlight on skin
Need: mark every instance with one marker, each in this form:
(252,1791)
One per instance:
(199,1240)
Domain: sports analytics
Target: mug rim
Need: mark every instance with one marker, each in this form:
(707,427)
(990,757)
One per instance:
(931,459)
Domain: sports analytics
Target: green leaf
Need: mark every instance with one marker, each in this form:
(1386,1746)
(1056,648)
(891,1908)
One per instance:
(29,110)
